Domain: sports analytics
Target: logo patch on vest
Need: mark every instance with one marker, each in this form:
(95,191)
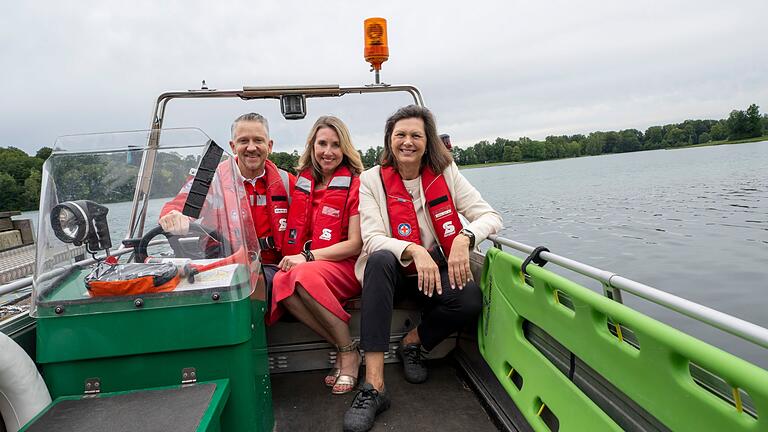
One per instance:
(326,235)
(283,225)
(281,210)
(443,213)
(261,200)
(404,229)
(448,229)
(330,211)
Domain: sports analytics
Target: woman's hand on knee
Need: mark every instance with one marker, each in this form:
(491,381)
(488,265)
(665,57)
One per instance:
(427,269)
(291,261)
(459,272)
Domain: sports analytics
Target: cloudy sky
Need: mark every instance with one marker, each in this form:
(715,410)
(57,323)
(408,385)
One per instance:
(487,69)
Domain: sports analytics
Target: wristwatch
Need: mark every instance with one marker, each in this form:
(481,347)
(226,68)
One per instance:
(470,235)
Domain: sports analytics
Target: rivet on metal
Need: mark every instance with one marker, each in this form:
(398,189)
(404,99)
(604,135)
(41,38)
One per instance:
(59,310)
(215,296)
(138,302)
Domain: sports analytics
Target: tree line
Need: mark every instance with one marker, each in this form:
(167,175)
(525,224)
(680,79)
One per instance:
(740,124)
(21,174)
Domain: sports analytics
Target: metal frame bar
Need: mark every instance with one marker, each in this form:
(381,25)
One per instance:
(735,326)
(144,182)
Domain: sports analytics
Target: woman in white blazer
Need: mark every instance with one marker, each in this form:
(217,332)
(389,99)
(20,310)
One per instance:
(414,244)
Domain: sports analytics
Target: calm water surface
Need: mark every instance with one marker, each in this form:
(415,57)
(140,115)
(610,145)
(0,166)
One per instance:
(693,222)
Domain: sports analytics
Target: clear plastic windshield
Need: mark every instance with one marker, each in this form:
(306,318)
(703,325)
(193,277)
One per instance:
(86,262)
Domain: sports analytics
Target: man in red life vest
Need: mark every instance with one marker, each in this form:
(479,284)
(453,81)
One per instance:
(267,190)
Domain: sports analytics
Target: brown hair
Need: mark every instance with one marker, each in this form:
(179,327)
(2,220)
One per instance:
(351,157)
(435,155)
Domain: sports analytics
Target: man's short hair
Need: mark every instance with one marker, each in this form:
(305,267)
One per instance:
(250,117)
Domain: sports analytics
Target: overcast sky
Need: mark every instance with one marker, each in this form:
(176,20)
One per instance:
(486,69)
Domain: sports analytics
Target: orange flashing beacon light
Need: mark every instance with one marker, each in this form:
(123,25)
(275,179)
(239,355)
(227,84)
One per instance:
(376,49)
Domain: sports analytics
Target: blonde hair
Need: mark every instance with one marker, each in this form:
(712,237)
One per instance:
(351,157)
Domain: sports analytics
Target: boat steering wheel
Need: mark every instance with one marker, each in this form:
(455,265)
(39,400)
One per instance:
(215,249)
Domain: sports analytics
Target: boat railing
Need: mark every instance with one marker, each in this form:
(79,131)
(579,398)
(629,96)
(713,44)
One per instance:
(614,285)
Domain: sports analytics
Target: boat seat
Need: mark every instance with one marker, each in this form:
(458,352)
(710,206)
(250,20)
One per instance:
(294,347)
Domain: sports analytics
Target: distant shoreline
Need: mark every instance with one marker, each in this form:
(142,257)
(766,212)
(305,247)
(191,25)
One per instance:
(709,144)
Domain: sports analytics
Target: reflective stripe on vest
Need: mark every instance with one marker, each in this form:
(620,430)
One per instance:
(328,228)
(403,222)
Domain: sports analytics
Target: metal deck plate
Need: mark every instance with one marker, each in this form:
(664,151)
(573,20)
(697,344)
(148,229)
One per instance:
(169,410)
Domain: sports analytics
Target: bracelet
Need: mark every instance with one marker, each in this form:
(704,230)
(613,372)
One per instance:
(308,256)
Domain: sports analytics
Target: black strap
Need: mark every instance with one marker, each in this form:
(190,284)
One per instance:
(267,243)
(535,256)
(202,180)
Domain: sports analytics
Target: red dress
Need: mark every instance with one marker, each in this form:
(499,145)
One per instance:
(330,283)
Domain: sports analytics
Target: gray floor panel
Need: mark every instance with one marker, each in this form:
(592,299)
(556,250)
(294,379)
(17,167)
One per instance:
(444,403)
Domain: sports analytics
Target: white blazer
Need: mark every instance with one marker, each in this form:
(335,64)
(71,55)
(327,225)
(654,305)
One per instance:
(374,219)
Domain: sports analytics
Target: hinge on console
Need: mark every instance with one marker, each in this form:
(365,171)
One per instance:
(188,376)
(92,386)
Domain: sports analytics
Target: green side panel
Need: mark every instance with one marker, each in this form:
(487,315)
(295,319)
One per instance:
(208,423)
(260,364)
(62,338)
(656,375)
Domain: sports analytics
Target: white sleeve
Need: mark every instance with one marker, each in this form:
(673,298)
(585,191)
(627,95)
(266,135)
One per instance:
(484,220)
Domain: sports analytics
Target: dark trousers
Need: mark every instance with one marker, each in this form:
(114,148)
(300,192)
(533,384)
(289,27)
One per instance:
(443,314)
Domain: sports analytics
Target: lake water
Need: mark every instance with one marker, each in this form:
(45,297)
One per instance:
(693,222)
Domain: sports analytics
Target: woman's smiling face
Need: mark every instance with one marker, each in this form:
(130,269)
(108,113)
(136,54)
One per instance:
(327,150)
(408,142)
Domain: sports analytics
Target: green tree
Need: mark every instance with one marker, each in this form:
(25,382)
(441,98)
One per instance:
(43,153)
(765,124)
(469,156)
(9,193)
(676,137)
(704,138)
(612,140)
(508,154)
(32,190)
(654,136)
(285,160)
(594,144)
(630,140)
(754,124)
(743,124)
(719,131)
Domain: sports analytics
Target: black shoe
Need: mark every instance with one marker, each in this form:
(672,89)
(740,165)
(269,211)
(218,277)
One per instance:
(413,365)
(368,403)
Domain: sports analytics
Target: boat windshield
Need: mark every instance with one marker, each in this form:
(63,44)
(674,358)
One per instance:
(85,261)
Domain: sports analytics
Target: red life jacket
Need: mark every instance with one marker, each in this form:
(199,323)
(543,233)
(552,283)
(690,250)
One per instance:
(402,213)
(277,205)
(328,228)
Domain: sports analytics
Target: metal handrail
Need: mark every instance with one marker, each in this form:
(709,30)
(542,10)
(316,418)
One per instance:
(26,282)
(735,326)
(144,181)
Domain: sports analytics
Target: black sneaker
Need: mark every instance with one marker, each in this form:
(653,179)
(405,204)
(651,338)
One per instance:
(368,403)
(413,365)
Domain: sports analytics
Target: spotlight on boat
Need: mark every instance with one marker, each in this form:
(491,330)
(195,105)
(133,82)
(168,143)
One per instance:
(293,106)
(82,222)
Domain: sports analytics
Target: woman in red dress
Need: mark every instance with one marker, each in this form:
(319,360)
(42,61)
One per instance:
(321,244)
